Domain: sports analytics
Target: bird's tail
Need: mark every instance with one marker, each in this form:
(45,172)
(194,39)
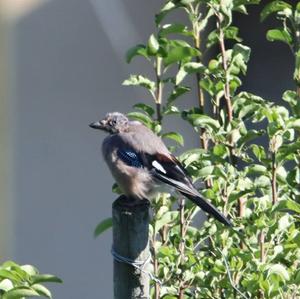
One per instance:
(208,208)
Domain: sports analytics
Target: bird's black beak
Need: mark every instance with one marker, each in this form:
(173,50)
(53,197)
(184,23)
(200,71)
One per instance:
(96,125)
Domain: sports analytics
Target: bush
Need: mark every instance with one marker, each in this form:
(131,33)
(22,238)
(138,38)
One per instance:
(255,185)
(18,281)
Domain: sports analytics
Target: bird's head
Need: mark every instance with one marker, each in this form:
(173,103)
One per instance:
(113,122)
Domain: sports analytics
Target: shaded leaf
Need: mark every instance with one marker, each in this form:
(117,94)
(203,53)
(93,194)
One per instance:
(177,92)
(144,107)
(167,218)
(143,118)
(174,136)
(179,53)
(279,34)
(173,28)
(103,226)
(287,205)
(201,120)
(41,278)
(139,50)
(230,32)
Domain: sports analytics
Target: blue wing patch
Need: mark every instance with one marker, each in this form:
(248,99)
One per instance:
(130,158)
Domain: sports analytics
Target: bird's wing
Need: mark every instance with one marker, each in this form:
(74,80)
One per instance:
(170,171)
(167,169)
(130,157)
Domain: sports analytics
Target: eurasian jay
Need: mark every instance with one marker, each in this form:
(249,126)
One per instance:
(141,163)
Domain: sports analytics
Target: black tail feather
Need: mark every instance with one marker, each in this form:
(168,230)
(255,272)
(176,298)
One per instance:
(208,208)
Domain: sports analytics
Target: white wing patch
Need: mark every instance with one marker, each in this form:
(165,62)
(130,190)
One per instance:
(158,166)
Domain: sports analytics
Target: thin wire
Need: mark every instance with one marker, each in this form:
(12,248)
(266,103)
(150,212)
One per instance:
(229,275)
(136,264)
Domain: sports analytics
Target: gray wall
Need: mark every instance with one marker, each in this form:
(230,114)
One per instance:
(68,71)
(68,74)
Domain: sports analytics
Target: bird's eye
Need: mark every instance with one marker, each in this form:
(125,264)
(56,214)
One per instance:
(113,122)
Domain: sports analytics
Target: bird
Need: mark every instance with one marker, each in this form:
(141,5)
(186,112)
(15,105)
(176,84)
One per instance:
(142,165)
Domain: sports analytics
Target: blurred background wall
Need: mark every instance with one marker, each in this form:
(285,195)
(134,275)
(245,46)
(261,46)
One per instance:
(61,67)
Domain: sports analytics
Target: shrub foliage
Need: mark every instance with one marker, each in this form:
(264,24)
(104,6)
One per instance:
(256,186)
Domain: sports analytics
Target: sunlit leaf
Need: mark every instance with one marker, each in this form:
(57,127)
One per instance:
(18,293)
(273,7)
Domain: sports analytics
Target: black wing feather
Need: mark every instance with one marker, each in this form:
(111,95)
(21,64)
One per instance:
(175,175)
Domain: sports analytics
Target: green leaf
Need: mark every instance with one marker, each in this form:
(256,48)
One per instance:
(230,32)
(287,205)
(177,92)
(30,270)
(11,275)
(256,168)
(103,226)
(191,156)
(139,80)
(43,291)
(291,97)
(278,270)
(6,285)
(201,120)
(279,34)
(9,264)
(189,68)
(206,171)
(41,278)
(273,7)
(194,67)
(167,218)
(220,150)
(173,28)
(169,6)
(153,45)
(249,136)
(145,119)
(171,110)
(241,55)
(139,50)
(178,52)
(18,293)
(293,123)
(174,136)
(145,108)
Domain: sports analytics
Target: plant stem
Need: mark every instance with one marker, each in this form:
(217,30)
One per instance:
(182,245)
(201,99)
(261,241)
(241,211)
(274,180)
(159,88)
(225,68)
(200,94)
(155,264)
